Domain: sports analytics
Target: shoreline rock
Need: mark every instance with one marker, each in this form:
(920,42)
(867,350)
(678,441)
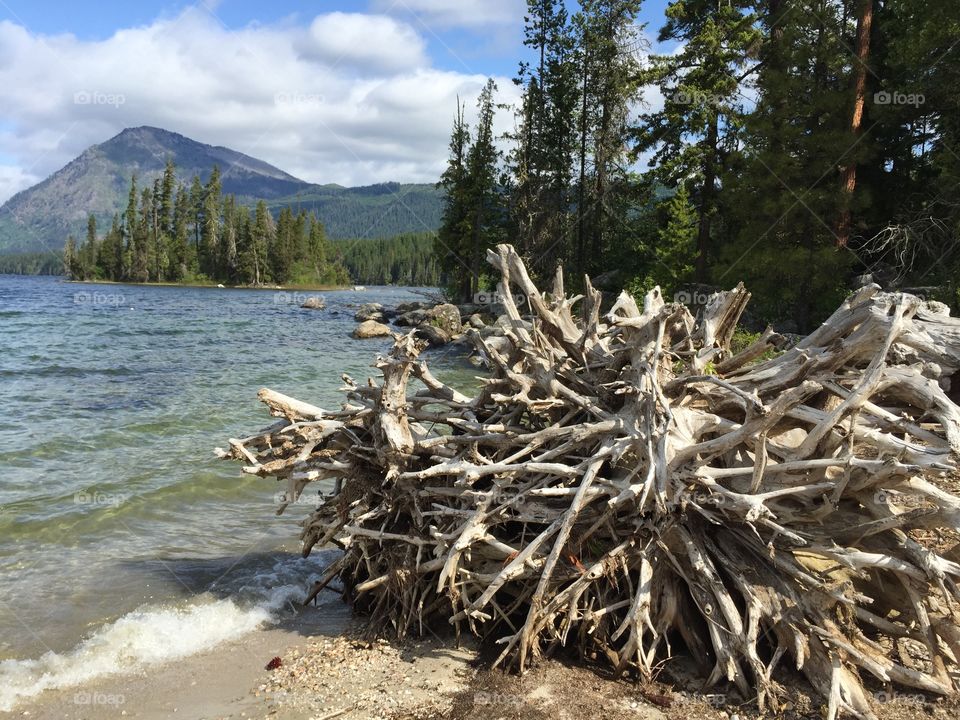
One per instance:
(314,303)
(370,311)
(371,329)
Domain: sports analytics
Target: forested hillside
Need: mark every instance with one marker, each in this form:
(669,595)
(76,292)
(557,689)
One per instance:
(800,144)
(45,263)
(169,233)
(382,210)
(96,182)
(401,260)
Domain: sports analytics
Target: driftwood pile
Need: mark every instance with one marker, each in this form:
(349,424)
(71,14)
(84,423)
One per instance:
(625,486)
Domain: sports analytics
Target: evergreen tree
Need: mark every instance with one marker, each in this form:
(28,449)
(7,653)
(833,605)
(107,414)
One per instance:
(280,247)
(695,133)
(849,182)
(455,228)
(317,251)
(140,253)
(71,261)
(167,198)
(261,237)
(608,45)
(179,255)
(228,242)
(485,203)
(246,265)
(210,254)
(676,249)
(88,255)
(158,241)
(130,221)
(794,141)
(541,164)
(110,252)
(237,249)
(197,208)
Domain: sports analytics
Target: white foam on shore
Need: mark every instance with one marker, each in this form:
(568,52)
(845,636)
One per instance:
(136,640)
(148,636)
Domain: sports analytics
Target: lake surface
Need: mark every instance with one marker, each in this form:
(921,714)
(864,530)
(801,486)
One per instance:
(123,541)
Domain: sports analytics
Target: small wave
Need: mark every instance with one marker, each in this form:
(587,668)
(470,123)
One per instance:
(156,634)
(141,638)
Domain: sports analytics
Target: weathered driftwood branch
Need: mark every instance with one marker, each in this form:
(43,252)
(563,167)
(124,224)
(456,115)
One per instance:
(605,491)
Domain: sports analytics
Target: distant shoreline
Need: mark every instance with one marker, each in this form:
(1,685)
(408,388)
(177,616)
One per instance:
(215,286)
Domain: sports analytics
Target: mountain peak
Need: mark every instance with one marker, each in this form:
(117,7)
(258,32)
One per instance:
(145,131)
(98,181)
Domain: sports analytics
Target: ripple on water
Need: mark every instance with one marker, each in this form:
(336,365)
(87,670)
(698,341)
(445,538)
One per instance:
(125,408)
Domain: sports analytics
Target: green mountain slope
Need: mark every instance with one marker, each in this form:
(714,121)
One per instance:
(97,181)
(382,210)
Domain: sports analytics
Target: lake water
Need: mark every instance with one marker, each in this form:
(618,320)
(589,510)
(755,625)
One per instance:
(123,541)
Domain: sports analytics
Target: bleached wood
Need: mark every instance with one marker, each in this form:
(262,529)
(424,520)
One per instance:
(621,484)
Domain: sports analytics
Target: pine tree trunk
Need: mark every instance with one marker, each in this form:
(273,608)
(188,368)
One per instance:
(706,200)
(849,181)
(775,63)
(581,201)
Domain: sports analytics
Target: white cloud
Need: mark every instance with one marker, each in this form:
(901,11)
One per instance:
(367,41)
(346,98)
(459,13)
(13,179)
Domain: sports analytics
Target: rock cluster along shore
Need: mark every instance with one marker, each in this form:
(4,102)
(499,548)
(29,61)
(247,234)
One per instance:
(436,323)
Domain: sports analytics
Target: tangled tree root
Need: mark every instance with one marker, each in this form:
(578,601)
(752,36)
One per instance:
(625,486)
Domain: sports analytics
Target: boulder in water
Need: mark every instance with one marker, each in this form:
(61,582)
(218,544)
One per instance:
(412,318)
(435,336)
(447,318)
(370,311)
(371,329)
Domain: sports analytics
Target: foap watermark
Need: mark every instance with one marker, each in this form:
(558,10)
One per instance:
(883,697)
(489,698)
(701,498)
(495,297)
(503,496)
(697,97)
(302,99)
(82,497)
(715,700)
(896,97)
(98,298)
(894,497)
(691,297)
(285,297)
(98,698)
(285,497)
(95,97)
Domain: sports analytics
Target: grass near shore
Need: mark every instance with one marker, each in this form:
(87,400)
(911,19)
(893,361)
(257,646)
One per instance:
(207,284)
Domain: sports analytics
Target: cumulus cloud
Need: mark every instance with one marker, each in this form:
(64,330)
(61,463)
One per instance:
(366,41)
(346,98)
(13,179)
(462,13)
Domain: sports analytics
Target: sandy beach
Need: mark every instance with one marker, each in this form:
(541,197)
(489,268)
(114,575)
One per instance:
(219,683)
(328,670)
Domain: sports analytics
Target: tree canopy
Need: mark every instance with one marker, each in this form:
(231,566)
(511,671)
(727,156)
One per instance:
(793,145)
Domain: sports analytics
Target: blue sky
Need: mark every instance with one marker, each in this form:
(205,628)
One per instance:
(332,92)
(450,47)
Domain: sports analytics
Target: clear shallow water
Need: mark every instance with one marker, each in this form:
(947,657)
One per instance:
(123,541)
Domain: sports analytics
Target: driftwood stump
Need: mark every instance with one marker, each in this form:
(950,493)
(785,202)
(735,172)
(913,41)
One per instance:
(625,486)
